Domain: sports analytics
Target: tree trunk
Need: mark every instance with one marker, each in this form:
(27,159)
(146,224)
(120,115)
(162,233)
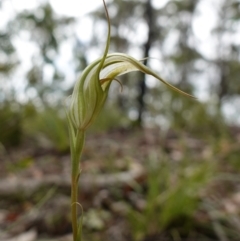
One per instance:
(147,47)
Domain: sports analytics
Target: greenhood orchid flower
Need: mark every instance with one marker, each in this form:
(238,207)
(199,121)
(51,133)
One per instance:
(91,89)
(88,98)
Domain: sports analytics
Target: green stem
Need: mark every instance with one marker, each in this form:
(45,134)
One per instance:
(76,156)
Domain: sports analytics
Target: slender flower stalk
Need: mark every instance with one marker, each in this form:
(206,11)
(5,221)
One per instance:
(88,98)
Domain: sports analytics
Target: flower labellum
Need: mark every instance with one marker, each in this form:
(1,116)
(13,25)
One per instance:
(91,89)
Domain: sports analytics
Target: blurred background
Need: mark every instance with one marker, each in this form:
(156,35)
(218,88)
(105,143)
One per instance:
(156,165)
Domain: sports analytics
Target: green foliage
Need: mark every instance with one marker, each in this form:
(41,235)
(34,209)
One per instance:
(10,124)
(233,159)
(7,50)
(196,117)
(182,114)
(48,128)
(42,23)
(173,196)
(6,45)
(20,164)
(109,118)
(47,30)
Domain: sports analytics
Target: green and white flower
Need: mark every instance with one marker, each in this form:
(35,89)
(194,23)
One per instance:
(88,98)
(91,89)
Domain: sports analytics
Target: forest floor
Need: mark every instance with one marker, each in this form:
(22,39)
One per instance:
(135,185)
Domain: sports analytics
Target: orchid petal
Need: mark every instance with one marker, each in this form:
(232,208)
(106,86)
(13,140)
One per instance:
(131,64)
